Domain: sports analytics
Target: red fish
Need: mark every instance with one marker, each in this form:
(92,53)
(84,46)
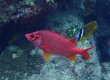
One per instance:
(53,43)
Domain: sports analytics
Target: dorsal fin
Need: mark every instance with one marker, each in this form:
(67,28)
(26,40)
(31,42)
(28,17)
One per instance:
(74,41)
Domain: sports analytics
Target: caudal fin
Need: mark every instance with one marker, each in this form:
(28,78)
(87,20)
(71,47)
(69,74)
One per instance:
(85,53)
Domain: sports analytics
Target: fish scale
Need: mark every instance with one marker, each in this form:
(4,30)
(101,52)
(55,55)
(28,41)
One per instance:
(55,43)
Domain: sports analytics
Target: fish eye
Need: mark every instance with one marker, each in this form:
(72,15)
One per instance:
(32,36)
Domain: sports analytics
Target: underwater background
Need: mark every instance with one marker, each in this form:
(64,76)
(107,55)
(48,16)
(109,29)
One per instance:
(21,60)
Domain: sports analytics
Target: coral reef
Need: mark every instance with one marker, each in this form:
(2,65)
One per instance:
(72,31)
(25,62)
(60,68)
(17,63)
(14,9)
(105,71)
(89,7)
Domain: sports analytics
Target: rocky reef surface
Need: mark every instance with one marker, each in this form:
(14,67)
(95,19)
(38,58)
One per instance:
(21,60)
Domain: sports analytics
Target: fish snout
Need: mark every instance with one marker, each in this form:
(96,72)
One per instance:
(28,36)
(32,37)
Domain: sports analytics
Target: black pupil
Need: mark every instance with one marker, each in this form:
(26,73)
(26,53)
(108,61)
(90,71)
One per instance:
(32,36)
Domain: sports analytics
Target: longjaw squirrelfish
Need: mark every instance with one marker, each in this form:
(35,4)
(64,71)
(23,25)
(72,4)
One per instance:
(54,43)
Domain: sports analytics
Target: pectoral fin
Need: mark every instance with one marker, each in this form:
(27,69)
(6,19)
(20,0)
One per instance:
(44,48)
(46,56)
(72,57)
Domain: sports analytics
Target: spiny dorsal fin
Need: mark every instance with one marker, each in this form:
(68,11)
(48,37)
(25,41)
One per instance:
(74,41)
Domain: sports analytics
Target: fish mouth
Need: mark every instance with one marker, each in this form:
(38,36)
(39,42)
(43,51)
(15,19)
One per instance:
(27,36)
(30,37)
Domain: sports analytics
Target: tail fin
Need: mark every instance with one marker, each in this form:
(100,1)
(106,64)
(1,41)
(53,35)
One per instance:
(85,54)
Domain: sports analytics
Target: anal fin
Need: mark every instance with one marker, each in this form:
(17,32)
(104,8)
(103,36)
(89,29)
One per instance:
(72,57)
